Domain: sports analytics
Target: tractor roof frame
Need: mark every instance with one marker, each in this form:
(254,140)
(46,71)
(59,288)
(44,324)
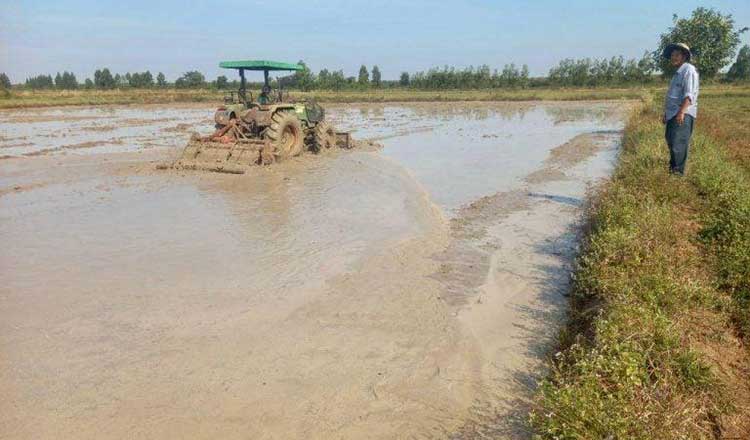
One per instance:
(259,65)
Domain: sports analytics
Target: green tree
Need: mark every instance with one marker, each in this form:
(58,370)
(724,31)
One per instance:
(161,80)
(524,79)
(140,80)
(190,80)
(510,75)
(482,77)
(403,81)
(40,82)
(711,36)
(222,82)
(324,79)
(147,80)
(338,80)
(303,79)
(740,70)
(376,80)
(103,79)
(593,72)
(70,81)
(4,81)
(364,76)
(88,84)
(646,68)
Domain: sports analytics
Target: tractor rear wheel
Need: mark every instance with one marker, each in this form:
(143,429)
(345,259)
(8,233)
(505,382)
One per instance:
(325,136)
(285,134)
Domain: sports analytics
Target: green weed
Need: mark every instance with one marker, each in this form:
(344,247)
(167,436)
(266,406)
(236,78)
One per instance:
(627,368)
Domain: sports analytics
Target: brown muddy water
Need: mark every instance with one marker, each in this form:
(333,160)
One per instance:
(409,292)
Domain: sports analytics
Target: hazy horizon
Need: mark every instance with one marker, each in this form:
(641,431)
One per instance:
(82,36)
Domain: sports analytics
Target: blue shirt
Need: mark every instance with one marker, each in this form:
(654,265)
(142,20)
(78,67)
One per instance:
(684,85)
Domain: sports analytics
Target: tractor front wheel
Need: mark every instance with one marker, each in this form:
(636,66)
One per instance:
(285,134)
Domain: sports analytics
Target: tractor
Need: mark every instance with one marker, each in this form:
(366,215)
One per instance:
(263,130)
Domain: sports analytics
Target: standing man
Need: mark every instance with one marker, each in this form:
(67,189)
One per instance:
(681,106)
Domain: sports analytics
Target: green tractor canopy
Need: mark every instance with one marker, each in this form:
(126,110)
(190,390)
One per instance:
(258,65)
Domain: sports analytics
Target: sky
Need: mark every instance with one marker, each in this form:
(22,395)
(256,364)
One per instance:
(44,37)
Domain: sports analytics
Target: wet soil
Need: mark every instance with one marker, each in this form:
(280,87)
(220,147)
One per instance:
(408,291)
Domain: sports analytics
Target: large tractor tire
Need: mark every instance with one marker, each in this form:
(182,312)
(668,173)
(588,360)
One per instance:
(285,134)
(325,136)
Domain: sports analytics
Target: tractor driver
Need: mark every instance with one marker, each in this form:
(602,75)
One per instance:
(264,97)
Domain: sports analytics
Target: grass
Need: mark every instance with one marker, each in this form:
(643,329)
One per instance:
(53,98)
(661,299)
(727,116)
(44,98)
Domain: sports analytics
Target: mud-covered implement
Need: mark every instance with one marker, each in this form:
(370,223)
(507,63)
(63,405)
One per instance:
(260,131)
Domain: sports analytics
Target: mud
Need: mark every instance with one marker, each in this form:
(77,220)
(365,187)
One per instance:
(408,291)
(570,154)
(115,129)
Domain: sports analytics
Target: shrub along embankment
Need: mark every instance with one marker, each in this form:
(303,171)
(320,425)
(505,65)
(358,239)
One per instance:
(657,342)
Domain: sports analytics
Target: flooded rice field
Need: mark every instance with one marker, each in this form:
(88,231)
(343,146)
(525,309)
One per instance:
(408,292)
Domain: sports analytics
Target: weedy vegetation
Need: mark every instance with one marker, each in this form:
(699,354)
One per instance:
(657,341)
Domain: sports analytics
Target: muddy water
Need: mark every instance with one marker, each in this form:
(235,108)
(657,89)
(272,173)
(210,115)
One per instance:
(408,292)
(499,143)
(97,130)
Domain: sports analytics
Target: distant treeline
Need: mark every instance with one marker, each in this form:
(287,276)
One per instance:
(585,72)
(480,78)
(567,73)
(103,79)
(604,72)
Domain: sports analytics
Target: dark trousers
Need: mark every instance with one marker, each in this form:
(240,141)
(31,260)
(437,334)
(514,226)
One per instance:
(678,139)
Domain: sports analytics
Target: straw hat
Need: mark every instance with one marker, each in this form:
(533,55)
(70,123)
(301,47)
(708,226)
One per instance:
(681,46)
